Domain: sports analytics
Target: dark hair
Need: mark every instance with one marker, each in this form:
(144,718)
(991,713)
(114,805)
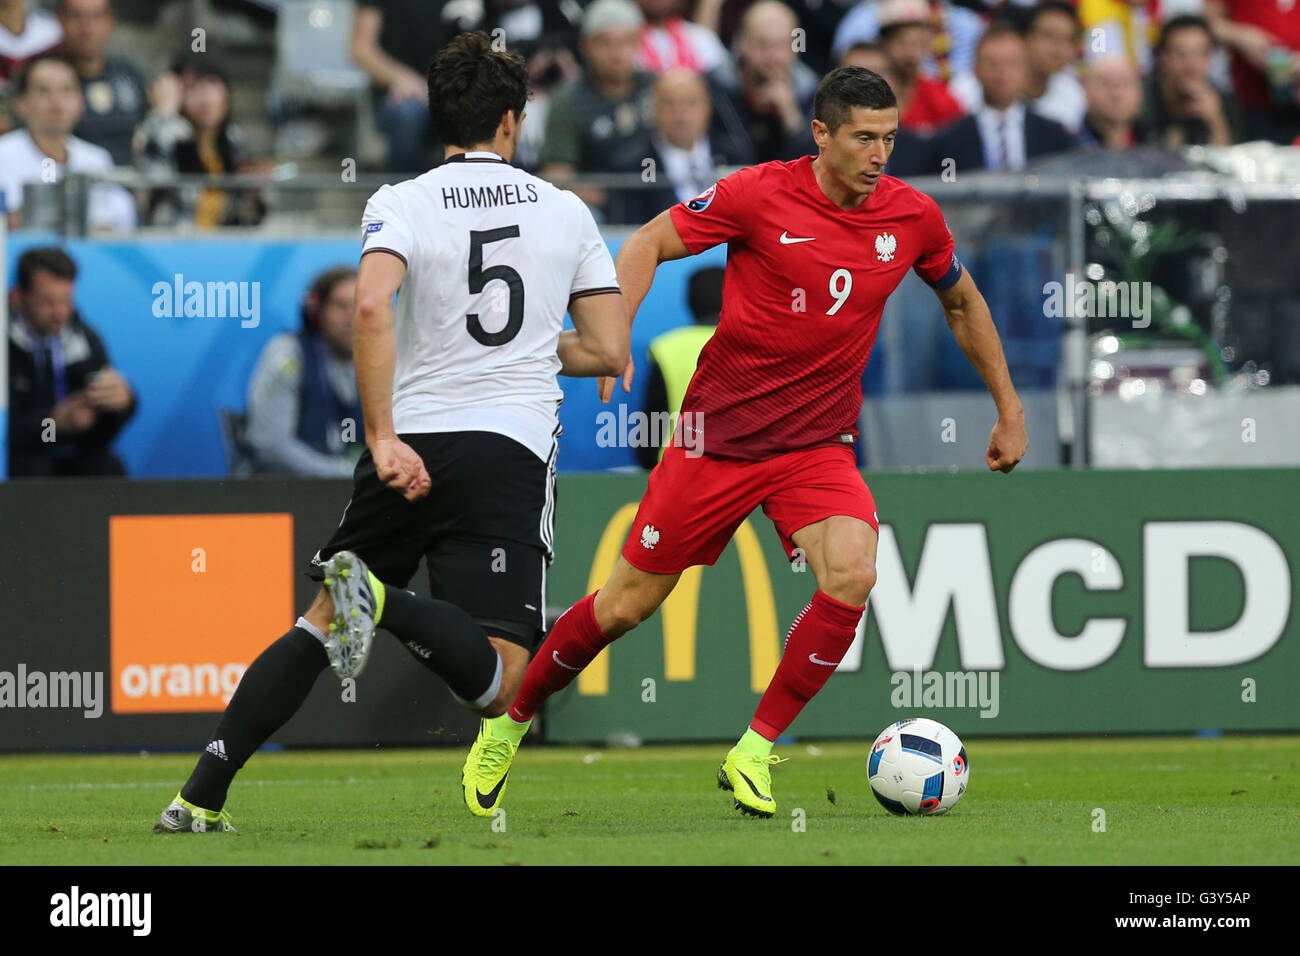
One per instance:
(206,66)
(704,294)
(24,77)
(49,259)
(1187,21)
(996,30)
(201,66)
(1051,6)
(322,287)
(471,86)
(846,87)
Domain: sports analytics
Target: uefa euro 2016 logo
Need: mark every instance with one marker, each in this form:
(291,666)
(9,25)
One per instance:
(701,202)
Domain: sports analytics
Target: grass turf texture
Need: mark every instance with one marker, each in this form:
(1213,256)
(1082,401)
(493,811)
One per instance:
(1229,800)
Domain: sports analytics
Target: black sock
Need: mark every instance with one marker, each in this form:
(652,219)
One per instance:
(270,692)
(446,640)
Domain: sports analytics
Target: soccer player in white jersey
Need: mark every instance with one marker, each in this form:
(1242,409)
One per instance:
(458,390)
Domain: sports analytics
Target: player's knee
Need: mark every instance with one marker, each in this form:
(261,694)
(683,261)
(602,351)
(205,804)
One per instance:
(622,614)
(852,583)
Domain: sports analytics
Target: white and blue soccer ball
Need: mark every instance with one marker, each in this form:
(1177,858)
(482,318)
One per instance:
(918,766)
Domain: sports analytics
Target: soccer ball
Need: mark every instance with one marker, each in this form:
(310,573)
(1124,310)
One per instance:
(918,766)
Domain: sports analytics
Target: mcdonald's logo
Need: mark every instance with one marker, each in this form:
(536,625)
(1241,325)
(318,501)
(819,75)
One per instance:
(680,613)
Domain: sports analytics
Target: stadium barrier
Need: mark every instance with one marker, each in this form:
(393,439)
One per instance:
(1059,602)
(188,364)
(1066,602)
(136,627)
(1200,245)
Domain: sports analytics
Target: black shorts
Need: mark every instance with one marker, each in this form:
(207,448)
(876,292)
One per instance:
(484,529)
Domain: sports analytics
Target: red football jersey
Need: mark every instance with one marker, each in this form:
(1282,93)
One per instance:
(805,285)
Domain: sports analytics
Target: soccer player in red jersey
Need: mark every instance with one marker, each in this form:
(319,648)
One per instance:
(815,247)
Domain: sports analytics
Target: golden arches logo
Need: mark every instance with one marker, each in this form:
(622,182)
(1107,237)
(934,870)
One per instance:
(680,613)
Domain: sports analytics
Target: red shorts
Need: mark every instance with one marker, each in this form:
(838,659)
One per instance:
(694,504)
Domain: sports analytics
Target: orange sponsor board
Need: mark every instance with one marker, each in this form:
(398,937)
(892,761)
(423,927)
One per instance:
(194,598)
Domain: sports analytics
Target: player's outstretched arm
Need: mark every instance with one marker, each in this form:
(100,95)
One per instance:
(374,352)
(655,242)
(598,342)
(972,325)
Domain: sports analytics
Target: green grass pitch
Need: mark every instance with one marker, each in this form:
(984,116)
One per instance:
(1228,800)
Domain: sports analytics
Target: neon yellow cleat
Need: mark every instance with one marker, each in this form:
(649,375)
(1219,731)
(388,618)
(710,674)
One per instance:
(181,816)
(483,777)
(749,778)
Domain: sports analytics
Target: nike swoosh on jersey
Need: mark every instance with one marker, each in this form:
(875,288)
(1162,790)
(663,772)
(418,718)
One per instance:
(813,657)
(555,656)
(786,239)
(486,800)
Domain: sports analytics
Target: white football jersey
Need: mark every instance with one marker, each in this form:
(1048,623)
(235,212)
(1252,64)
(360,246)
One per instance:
(493,257)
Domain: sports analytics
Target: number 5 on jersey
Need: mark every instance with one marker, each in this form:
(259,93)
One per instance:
(480,277)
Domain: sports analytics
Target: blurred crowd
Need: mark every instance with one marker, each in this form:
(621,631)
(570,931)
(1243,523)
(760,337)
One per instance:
(663,93)
(666,91)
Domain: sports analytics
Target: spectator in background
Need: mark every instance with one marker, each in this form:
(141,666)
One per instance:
(592,118)
(911,156)
(906,39)
(682,157)
(1004,134)
(189,132)
(24,35)
(957,31)
(674,355)
(1264,37)
(527,26)
(669,41)
(545,34)
(1181,105)
(869,56)
(1113,86)
(110,86)
(1052,46)
(49,103)
(817,18)
(394,42)
(764,99)
(304,414)
(66,402)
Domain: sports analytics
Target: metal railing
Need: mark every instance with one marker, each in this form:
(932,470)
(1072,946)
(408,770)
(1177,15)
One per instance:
(293,199)
(1072,212)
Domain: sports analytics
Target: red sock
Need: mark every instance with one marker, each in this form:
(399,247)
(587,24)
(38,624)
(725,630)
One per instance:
(573,643)
(823,630)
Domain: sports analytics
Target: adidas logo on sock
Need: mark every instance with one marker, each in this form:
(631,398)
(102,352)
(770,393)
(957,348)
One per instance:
(218,749)
(420,649)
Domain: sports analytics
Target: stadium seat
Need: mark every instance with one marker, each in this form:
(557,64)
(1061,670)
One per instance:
(313,63)
(312,60)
